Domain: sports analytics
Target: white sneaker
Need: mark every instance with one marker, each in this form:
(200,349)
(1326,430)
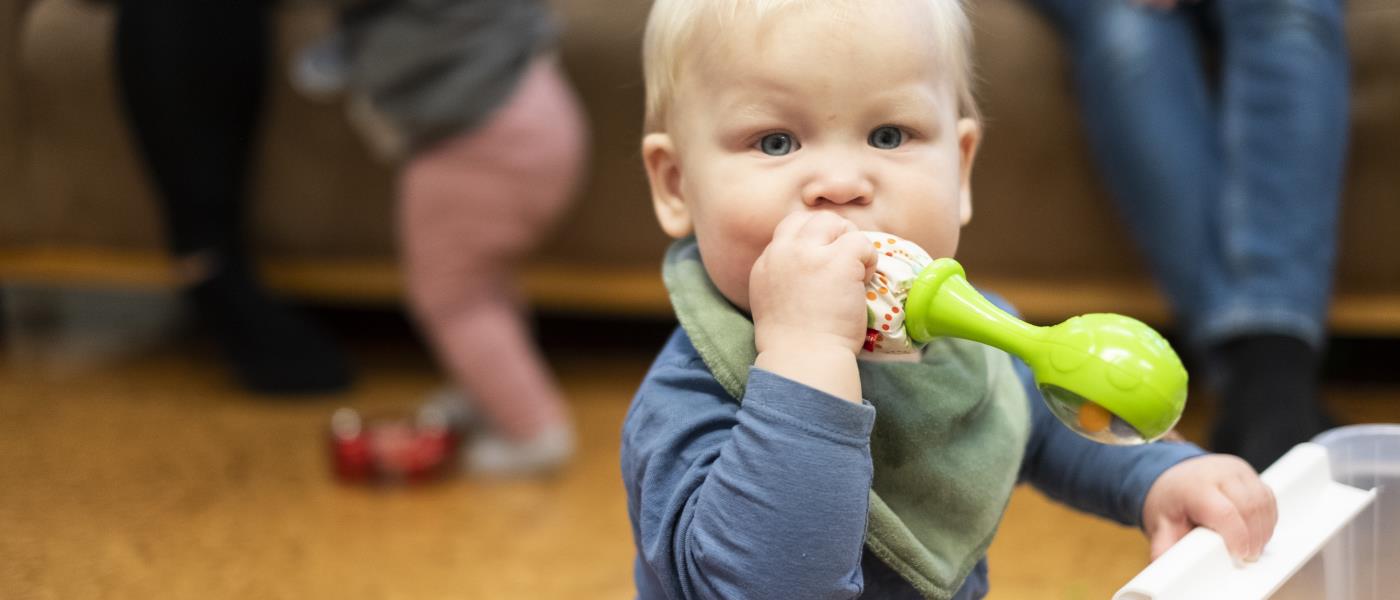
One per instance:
(490,453)
(485,451)
(450,402)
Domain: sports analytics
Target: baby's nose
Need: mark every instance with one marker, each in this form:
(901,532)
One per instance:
(838,187)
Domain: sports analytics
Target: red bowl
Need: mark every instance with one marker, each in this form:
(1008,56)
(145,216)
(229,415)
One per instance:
(391,449)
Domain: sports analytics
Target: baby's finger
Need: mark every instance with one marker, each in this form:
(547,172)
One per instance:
(824,227)
(1272,515)
(1167,535)
(790,225)
(1216,511)
(856,244)
(870,257)
(1255,502)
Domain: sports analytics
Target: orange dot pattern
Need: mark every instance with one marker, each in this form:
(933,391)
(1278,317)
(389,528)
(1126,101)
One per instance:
(885,293)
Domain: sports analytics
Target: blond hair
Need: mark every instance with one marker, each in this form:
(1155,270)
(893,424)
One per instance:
(674,24)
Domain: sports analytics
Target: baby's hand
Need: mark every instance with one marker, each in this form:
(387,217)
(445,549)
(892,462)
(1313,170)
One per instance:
(1218,491)
(807,295)
(807,289)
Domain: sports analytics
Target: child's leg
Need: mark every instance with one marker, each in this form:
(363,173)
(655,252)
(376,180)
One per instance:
(470,209)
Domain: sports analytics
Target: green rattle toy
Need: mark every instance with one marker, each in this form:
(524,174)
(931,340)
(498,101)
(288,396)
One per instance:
(1108,377)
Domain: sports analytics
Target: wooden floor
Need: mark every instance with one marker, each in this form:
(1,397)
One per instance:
(150,477)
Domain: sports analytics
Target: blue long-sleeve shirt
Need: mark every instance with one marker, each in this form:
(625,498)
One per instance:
(768,499)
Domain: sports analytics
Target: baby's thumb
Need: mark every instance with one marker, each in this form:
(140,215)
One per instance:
(871,260)
(1166,535)
(863,249)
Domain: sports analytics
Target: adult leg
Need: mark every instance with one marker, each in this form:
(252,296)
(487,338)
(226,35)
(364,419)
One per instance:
(1284,103)
(470,209)
(192,81)
(1151,123)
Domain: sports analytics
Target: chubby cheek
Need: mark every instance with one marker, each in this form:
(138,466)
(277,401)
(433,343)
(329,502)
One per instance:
(934,222)
(730,245)
(939,241)
(729,271)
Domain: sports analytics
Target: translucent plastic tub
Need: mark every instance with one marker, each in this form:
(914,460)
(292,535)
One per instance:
(1363,561)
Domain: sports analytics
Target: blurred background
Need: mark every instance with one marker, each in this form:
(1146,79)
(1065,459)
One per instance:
(134,466)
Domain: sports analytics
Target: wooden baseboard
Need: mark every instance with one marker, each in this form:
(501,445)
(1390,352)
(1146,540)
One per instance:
(616,290)
(605,290)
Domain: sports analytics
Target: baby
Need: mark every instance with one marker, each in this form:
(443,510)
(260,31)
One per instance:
(761,458)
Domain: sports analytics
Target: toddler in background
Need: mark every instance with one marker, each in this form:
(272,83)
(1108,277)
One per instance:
(468,96)
(465,96)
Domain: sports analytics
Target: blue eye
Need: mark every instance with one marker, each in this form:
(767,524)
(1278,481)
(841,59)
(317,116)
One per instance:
(886,137)
(777,144)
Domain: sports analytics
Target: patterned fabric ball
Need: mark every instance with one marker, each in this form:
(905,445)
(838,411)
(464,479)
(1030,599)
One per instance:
(900,262)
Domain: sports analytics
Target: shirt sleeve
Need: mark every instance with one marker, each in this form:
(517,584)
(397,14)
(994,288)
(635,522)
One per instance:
(1109,481)
(767,499)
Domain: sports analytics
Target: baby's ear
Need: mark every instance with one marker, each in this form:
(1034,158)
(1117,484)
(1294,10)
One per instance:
(664,174)
(969,137)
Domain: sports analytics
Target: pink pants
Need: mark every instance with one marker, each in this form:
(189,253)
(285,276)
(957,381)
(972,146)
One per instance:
(471,208)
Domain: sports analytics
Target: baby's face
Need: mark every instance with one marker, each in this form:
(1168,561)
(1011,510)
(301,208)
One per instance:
(806,112)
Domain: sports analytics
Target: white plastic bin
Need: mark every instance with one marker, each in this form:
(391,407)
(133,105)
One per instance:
(1338,535)
(1363,561)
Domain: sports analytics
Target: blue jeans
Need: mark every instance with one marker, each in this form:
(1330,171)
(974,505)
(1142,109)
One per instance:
(1230,184)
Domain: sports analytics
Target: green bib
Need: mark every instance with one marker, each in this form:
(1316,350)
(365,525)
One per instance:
(948,439)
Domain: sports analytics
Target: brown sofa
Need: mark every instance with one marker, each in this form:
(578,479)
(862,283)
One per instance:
(75,208)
